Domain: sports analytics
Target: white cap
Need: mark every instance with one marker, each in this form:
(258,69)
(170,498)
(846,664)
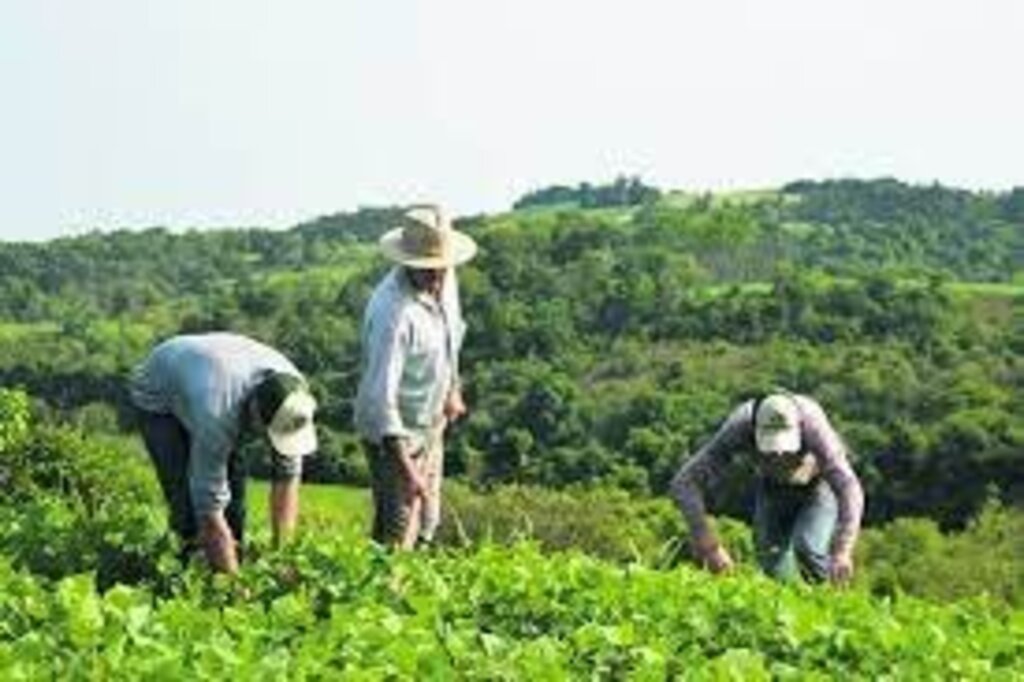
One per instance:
(777,424)
(291,431)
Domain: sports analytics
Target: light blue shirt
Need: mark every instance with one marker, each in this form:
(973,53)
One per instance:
(410,346)
(204,381)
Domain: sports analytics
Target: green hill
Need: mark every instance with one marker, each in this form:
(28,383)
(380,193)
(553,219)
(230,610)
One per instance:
(605,342)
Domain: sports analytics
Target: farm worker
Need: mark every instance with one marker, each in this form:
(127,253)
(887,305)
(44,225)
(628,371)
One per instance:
(410,388)
(455,406)
(198,396)
(808,501)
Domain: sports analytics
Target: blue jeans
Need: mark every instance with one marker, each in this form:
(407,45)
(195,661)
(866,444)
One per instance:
(793,528)
(169,446)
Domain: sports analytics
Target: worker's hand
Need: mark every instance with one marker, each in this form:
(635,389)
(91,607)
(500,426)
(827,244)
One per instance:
(718,560)
(413,484)
(840,570)
(712,555)
(415,487)
(454,405)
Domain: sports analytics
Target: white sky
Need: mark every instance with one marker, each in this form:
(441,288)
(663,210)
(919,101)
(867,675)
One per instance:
(196,113)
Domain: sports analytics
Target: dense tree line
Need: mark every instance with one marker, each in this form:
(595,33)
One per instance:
(864,224)
(604,346)
(623,191)
(125,271)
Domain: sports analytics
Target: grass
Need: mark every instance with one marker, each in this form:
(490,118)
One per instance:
(739,197)
(20,330)
(964,289)
(995,289)
(333,274)
(616,214)
(322,507)
(748,288)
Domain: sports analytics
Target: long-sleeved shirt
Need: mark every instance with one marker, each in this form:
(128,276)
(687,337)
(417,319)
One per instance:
(204,381)
(451,303)
(409,361)
(823,454)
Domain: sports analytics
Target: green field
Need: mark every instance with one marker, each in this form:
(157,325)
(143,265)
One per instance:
(965,289)
(335,274)
(994,289)
(322,507)
(19,330)
(681,199)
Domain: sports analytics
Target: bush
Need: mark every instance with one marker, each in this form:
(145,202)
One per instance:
(604,522)
(912,556)
(70,504)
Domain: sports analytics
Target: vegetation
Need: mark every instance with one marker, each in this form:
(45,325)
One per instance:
(622,192)
(603,346)
(337,608)
(90,589)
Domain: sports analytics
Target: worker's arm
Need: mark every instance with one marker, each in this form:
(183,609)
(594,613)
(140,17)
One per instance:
(284,508)
(830,450)
(701,473)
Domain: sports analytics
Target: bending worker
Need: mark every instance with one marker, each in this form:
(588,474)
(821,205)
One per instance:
(808,503)
(198,396)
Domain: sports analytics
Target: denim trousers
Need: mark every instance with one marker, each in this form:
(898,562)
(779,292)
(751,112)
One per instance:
(169,446)
(793,527)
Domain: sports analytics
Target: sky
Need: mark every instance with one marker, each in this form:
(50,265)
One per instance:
(125,114)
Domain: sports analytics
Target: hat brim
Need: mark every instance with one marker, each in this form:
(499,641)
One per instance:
(783,440)
(463,248)
(299,442)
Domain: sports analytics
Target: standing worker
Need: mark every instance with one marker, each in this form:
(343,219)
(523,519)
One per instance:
(455,406)
(409,389)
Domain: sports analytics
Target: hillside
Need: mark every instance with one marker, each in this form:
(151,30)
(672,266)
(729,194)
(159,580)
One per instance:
(610,332)
(608,340)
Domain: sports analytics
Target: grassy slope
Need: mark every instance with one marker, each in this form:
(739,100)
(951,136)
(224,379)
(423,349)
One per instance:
(322,507)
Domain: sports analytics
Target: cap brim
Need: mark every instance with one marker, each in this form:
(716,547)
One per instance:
(785,440)
(463,248)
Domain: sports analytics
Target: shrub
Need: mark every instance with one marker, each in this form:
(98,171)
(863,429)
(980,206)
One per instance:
(71,504)
(604,522)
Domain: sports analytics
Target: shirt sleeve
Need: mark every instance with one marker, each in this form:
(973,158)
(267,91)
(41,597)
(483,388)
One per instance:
(208,471)
(387,342)
(452,306)
(823,440)
(702,472)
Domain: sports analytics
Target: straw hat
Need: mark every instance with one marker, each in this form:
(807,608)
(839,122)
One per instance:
(427,241)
